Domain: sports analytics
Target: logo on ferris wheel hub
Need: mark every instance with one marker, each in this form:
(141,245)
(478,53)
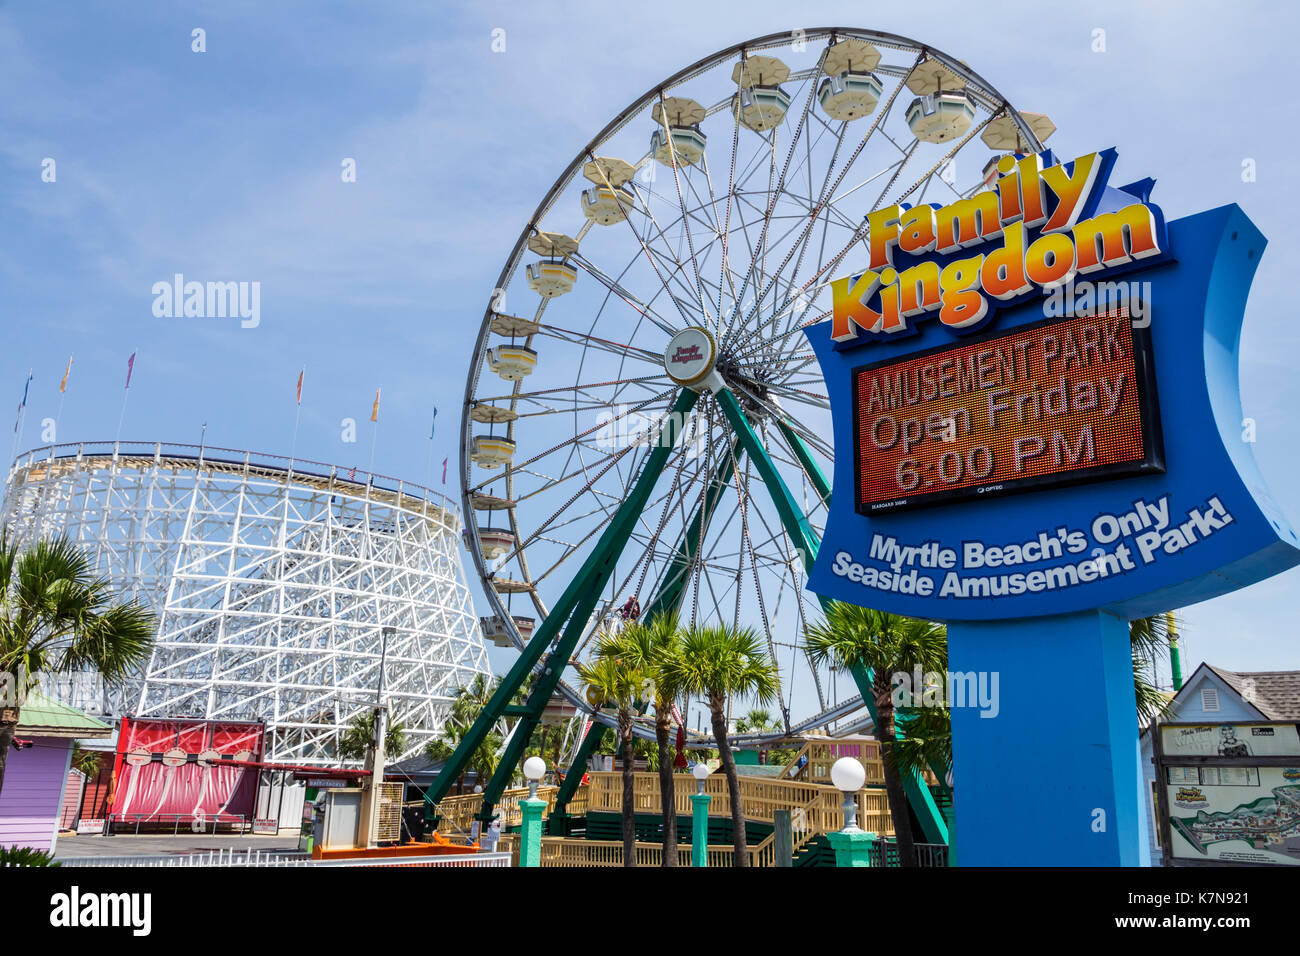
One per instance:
(690,359)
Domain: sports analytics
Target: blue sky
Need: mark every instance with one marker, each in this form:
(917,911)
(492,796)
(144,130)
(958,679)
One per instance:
(225,165)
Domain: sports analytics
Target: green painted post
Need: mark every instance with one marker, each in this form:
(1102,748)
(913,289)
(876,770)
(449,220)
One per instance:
(530,838)
(700,829)
(805,539)
(852,847)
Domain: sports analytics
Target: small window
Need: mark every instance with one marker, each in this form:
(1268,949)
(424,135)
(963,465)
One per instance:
(1210,699)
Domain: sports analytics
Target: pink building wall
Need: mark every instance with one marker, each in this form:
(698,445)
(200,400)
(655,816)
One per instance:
(33,793)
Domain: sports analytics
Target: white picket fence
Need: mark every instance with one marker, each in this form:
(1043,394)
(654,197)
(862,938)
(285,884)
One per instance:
(233,857)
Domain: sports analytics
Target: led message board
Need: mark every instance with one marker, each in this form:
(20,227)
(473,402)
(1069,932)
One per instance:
(1053,403)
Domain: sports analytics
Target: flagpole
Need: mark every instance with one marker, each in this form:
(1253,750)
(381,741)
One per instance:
(22,418)
(122,416)
(297,417)
(374,433)
(130,367)
(428,471)
(293,446)
(63,385)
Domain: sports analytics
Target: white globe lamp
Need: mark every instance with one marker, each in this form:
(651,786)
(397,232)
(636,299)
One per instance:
(849,775)
(534,770)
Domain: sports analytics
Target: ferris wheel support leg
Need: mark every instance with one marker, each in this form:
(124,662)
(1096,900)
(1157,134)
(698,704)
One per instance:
(805,539)
(574,607)
(668,598)
(806,462)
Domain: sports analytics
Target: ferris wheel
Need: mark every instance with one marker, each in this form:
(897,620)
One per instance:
(645,425)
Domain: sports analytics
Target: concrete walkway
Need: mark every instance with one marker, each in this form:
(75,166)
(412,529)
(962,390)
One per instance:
(153,844)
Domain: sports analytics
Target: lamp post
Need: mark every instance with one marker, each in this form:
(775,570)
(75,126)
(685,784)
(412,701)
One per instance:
(700,817)
(530,838)
(851,844)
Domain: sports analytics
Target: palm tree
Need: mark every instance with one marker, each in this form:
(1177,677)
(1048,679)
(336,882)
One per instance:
(1149,637)
(718,663)
(926,743)
(58,616)
(360,736)
(483,762)
(647,648)
(885,644)
(758,721)
(614,679)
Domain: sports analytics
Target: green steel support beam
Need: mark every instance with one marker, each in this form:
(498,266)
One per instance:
(805,539)
(571,612)
(667,598)
(807,462)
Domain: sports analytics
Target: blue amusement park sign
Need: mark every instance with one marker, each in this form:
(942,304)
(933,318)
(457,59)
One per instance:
(1036,408)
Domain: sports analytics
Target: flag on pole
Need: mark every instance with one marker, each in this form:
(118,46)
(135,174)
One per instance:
(130,366)
(300,375)
(444,471)
(63,385)
(23,404)
(434,427)
(374,412)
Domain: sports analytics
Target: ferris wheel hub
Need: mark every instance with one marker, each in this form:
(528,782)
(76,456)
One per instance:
(691,360)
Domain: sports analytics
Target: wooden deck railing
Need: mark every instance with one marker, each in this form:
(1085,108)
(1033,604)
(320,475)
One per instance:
(456,814)
(572,851)
(819,755)
(814,808)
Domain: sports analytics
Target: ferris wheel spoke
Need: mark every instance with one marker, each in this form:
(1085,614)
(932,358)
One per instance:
(613,499)
(775,193)
(621,293)
(672,258)
(641,241)
(828,194)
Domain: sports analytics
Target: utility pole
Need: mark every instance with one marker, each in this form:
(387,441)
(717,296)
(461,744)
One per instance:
(1175,661)
(371,801)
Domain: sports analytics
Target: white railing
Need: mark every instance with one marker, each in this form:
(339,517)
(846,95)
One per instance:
(274,858)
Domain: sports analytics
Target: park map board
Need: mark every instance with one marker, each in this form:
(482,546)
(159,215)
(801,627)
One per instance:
(1229,793)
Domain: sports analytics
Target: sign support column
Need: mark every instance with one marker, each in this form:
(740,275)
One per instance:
(1045,779)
